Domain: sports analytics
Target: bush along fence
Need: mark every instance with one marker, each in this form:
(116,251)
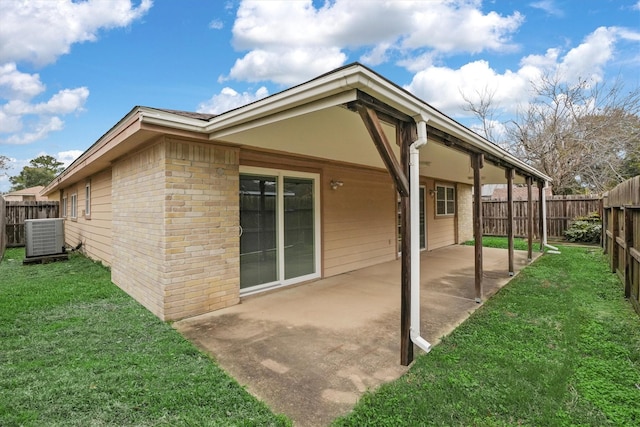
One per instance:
(562,213)
(18,212)
(621,240)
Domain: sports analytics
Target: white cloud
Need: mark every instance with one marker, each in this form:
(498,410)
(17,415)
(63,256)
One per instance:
(43,127)
(443,86)
(549,6)
(40,31)
(216,24)
(26,121)
(289,42)
(586,60)
(228,99)
(67,157)
(432,24)
(286,67)
(17,85)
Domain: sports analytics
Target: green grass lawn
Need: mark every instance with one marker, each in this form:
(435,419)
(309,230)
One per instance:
(559,346)
(519,244)
(77,351)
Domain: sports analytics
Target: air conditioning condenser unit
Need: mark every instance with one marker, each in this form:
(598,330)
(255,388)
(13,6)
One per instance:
(44,237)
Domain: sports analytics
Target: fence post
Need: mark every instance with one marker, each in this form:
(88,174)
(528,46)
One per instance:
(614,239)
(628,244)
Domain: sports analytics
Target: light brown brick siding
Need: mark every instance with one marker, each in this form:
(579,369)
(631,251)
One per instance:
(175,222)
(465,212)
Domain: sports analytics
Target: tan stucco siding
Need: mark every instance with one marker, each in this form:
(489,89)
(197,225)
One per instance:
(138,198)
(359,219)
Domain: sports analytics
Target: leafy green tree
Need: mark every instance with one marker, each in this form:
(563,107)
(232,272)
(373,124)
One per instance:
(40,171)
(4,163)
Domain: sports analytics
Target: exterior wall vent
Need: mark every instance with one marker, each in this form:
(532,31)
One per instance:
(44,237)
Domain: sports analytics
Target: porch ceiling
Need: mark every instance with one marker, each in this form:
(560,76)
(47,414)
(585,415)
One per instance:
(338,134)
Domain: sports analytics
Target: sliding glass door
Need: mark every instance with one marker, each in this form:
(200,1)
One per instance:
(258,252)
(279,228)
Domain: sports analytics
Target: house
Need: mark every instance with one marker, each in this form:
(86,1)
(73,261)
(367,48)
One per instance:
(26,195)
(195,211)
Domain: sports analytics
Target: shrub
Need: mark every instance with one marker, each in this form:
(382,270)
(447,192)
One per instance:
(585,229)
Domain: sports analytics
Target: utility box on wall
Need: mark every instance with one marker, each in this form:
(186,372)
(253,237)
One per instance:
(44,237)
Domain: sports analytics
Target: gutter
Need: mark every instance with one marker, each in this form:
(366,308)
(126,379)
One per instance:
(414,189)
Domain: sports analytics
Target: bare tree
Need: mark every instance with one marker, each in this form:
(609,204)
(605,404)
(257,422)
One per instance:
(585,136)
(580,135)
(485,110)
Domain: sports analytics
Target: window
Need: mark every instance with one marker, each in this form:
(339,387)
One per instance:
(64,206)
(445,200)
(74,206)
(87,200)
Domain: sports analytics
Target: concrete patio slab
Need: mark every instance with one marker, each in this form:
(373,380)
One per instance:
(311,351)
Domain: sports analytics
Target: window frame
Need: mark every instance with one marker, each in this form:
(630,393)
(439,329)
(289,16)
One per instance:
(64,205)
(74,206)
(446,200)
(87,200)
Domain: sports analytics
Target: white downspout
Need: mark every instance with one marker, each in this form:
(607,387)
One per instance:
(553,249)
(414,189)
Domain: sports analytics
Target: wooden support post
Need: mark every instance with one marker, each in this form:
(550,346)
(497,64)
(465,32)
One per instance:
(477,162)
(406,345)
(541,214)
(628,240)
(529,219)
(509,174)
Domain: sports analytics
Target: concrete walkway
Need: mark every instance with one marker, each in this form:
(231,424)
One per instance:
(311,351)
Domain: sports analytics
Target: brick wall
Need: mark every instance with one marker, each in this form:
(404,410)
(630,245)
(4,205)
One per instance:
(138,226)
(202,245)
(175,222)
(465,212)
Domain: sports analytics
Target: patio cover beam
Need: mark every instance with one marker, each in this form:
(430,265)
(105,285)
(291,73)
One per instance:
(369,110)
(371,122)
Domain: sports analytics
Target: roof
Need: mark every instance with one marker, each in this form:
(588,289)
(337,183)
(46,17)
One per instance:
(189,114)
(31,191)
(309,119)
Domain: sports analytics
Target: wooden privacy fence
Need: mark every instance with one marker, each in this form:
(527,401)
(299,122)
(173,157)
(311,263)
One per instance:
(561,210)
(18,212)
(621,223)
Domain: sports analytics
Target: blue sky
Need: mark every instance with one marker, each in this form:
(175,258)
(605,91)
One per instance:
(69,71)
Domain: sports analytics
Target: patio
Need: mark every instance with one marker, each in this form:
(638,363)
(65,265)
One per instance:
(311,351)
